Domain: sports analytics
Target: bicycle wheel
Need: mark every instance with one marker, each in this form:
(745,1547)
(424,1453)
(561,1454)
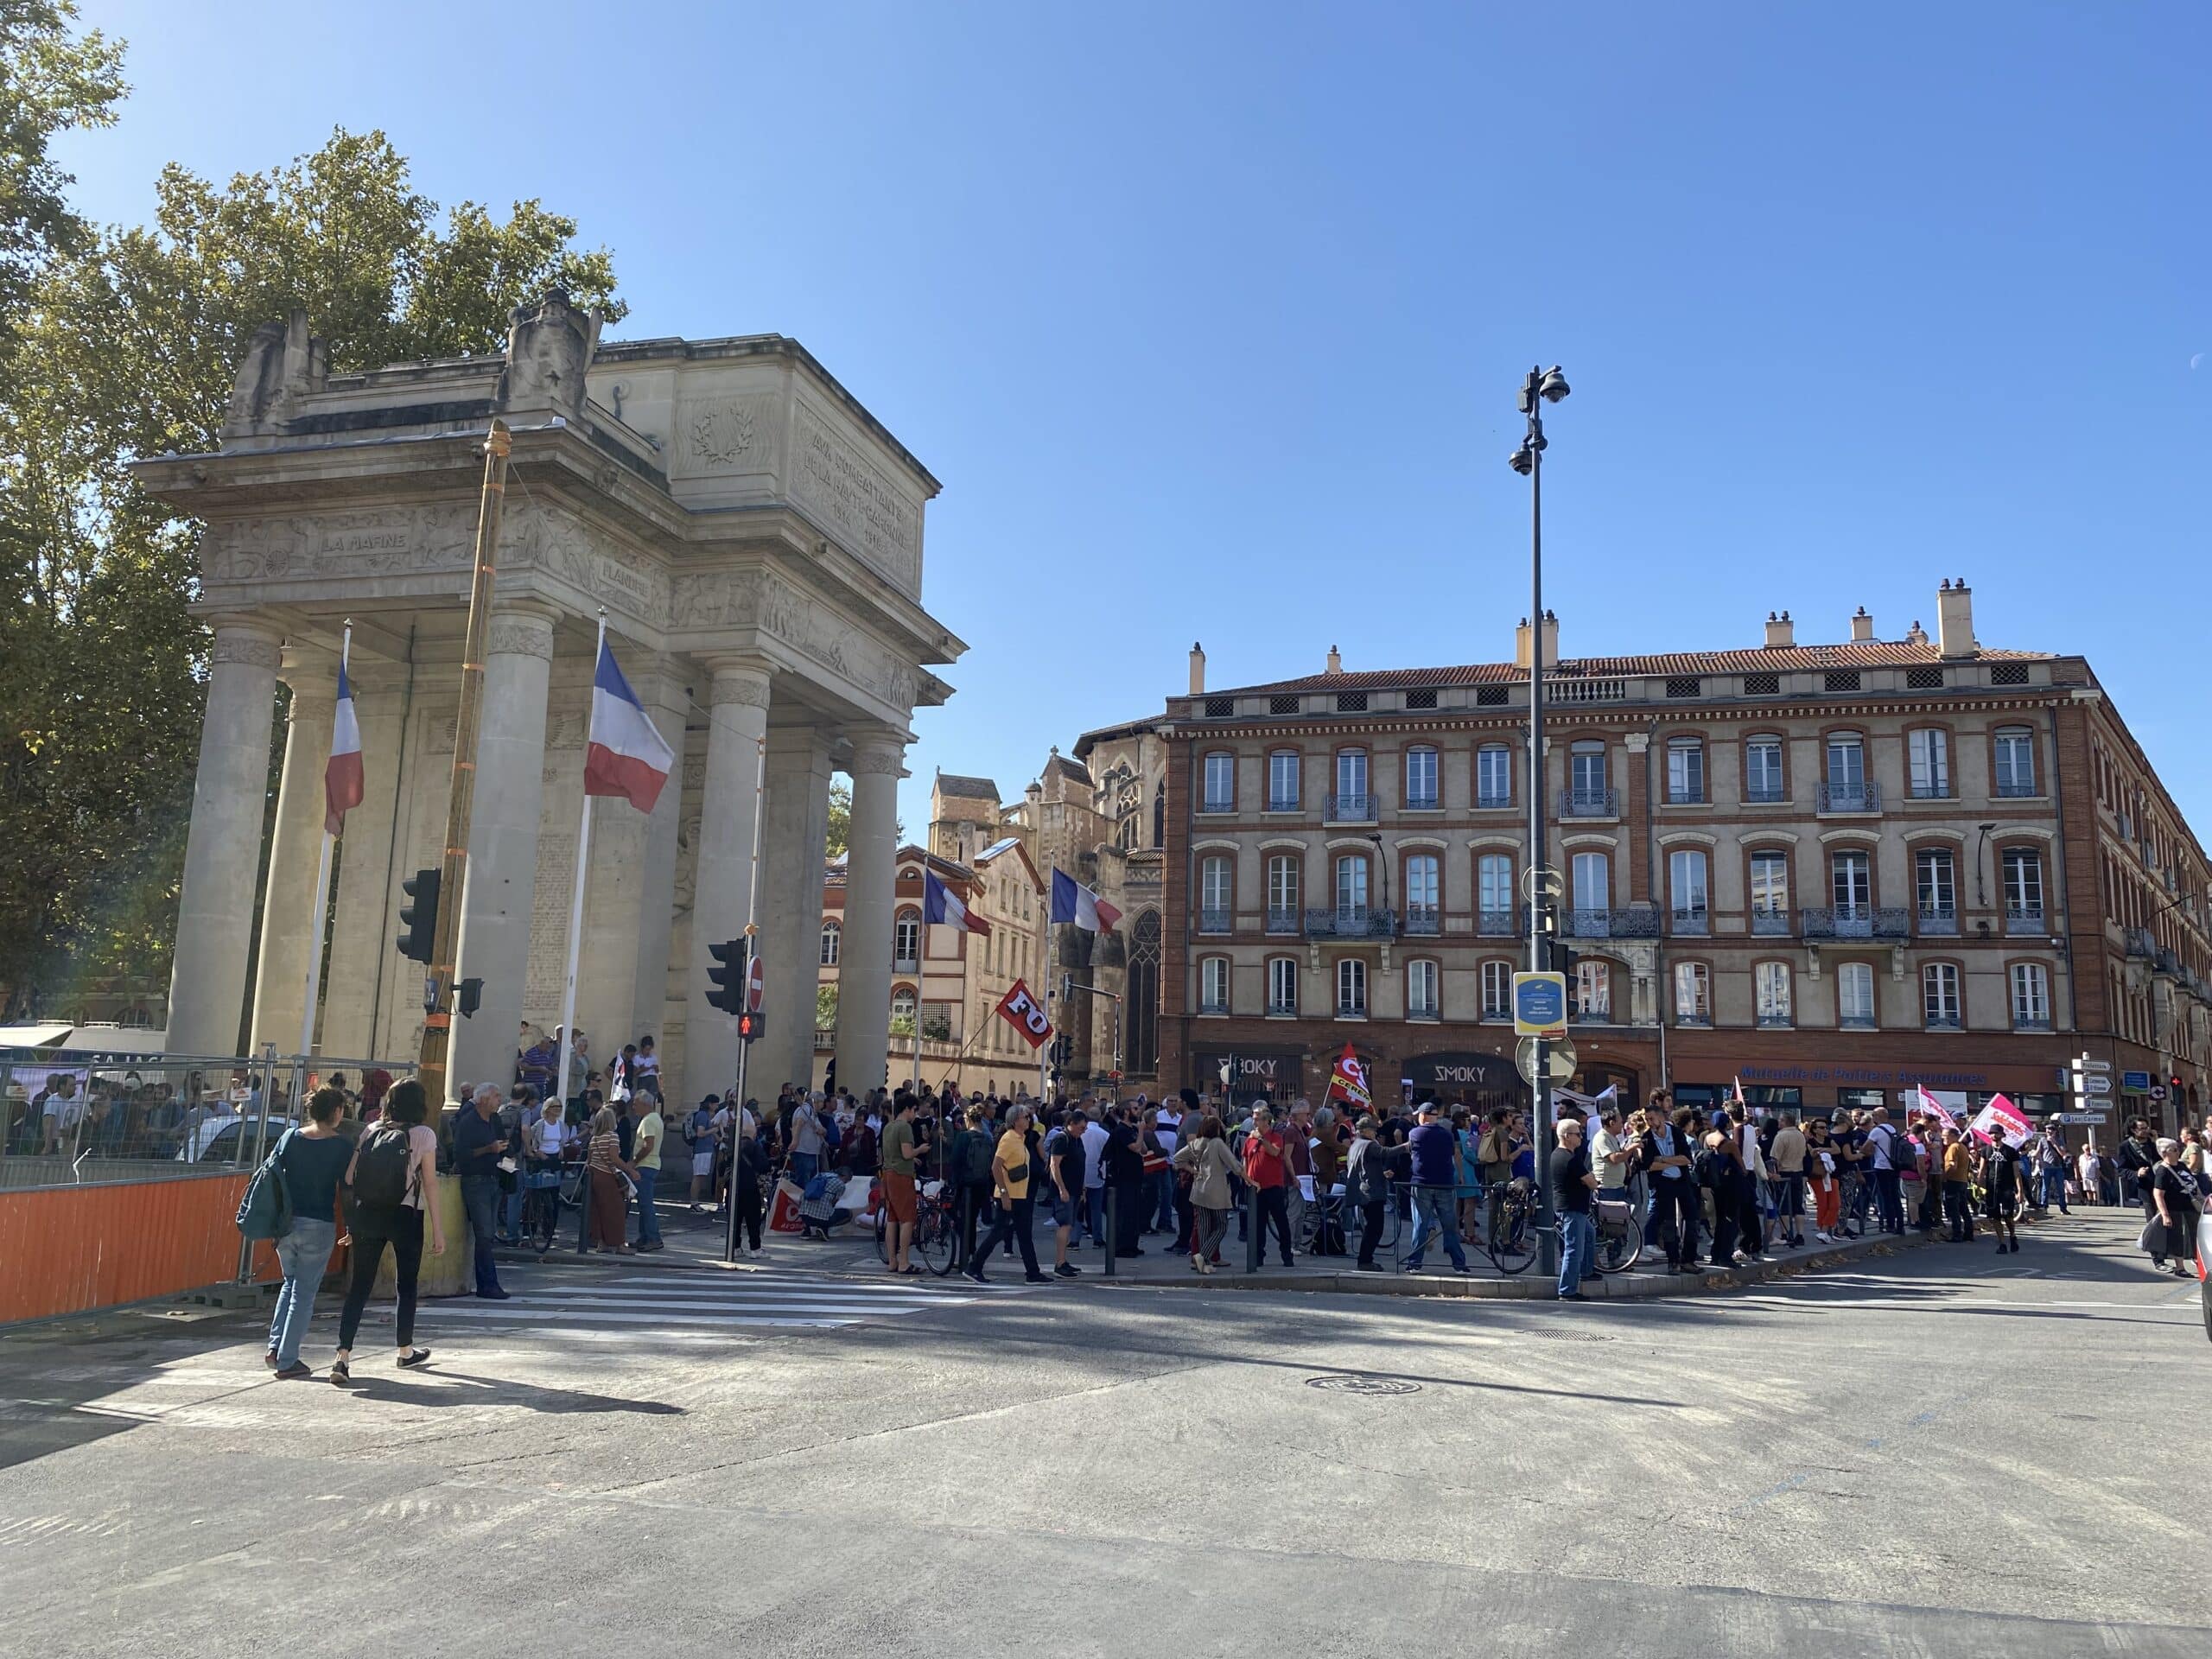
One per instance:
(938,1245)
(1515,1247)
(882,1233)
(1617,1253)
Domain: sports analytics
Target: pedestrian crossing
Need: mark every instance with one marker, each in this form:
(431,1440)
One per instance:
(698,1306)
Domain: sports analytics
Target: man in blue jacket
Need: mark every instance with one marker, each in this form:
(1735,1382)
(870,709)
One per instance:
(1435,1170)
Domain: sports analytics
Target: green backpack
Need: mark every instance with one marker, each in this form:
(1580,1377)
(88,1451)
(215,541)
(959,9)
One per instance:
(265,1211)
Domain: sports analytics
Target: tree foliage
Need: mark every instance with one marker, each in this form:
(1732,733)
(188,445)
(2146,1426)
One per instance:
(124,345)
(50,83)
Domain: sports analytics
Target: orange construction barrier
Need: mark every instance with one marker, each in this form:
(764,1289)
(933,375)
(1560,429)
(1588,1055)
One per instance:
(70,1249)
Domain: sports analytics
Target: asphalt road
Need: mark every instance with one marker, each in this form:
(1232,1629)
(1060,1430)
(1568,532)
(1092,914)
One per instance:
(1945,1451)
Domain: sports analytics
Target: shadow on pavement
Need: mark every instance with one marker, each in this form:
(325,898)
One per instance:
(499,1391)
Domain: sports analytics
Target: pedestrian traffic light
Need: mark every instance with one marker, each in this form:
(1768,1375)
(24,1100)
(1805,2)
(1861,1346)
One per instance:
(468,996)
(725,977)
(1562,957)
(419,915)
(748,1026)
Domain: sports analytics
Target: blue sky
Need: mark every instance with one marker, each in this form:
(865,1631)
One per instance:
(1209,316)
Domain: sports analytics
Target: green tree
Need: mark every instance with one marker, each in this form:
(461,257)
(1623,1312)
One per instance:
(825,1007)
(50,83)
(126,346)
(840,816)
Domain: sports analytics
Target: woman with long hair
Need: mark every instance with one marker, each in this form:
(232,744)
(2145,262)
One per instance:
(608,1201)
(390,1181)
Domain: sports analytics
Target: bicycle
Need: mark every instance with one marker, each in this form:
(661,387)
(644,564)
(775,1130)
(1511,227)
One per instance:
(1512,1234)
(1620,1233)
(936,1230)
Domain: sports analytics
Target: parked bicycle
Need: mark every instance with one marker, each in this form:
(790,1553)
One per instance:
(1510,1209)
(936,1230)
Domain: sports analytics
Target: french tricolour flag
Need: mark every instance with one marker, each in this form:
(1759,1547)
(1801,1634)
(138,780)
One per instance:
(627,755)
(940,904)
(342,778)
(1073,902)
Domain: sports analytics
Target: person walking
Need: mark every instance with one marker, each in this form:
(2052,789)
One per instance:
(1014,1216)
(1094,1172)
(2089,1175)
(645,1165)
(2170,1234)
(1207,1158)
(388,1180)
(311,1161)
(1064,1158)
(1998,1172)
(1786,1160)
(973,1150)
(478,1143)
(1267,1173)
(2137,1157)
(1166,1126)
(1820,1178)
(1435,1155)
(1573,1183)
(605,1202)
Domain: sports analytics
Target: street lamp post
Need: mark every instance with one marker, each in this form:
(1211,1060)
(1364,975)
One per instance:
(1542,387)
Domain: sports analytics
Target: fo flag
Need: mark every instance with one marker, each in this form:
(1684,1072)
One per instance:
(1018,1009)
(1073,902)
(627,756)
(342,778)
(1348,1082)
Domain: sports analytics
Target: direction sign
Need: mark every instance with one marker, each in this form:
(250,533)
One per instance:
(1560,1060)
(2093,1084)
(2083,1063)
(1541,882)
(1540,1005)
(2078,1117)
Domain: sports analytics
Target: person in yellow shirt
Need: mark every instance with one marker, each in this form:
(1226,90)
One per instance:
(1011,1209)
(1958,1185)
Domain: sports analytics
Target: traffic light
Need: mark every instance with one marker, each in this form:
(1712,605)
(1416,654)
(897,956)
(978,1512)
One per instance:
(419,915)
(748,1026)
(1562,957)
(468,996)
(725,978)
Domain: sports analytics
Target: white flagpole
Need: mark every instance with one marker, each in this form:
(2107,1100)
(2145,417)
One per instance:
(322,891)
(577,903)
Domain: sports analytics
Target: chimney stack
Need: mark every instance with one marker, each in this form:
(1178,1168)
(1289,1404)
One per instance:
(1915,635)
(1780,629)
(1336,663)
(1551,638)
(1955,619)
(1198,670)
(1862,628)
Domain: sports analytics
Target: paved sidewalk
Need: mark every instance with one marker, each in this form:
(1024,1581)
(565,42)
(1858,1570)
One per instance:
(695,1241)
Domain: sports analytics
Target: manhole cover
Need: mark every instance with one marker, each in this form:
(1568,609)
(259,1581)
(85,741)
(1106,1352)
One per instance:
(1341,1384)
(1565,1336)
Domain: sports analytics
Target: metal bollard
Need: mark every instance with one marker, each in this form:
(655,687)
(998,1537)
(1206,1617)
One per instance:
(1112,1231)
(1252,1245)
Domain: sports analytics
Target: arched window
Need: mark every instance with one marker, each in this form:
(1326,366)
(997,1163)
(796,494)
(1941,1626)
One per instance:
(903,1005)
(832,935)
(1144,994)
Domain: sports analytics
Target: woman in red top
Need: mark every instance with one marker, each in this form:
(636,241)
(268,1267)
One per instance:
(1264,1168)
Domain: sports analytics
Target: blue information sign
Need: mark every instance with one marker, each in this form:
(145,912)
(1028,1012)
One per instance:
(1540,1005)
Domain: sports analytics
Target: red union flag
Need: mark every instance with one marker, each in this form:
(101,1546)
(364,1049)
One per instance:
(1018,1009)
(1349,1081)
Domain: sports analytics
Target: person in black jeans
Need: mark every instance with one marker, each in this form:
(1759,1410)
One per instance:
(1668,1150)
(1124,1165)
(1367,1187)
(480,1140)
(373,1225)
(1012,1214)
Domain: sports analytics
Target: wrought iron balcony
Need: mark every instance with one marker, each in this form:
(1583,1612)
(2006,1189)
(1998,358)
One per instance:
(1771,923)
(2019,921)
(1692,923)
(1942,923)
(1424,919)
(1284,918)
(1858,1022)
(1866,797)
(1349,1010)
(1427,803)
(1688,795)
(1497,924)
(1213,921)
(1775,1023)
(1610,924)
(1282,803)
(2140,942)
(1350,922)
(1210,804)
(2015,789)
(1209,1006)
(1942,1022)
(1765,795)
(1589,804)
(1491,799)
(1350,809)
(1937,789)
(1856,922)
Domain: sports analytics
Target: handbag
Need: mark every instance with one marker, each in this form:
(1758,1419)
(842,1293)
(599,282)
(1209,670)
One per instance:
(2151,1240)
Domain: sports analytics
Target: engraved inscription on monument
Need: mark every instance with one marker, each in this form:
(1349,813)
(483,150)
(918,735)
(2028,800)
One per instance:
(857,499)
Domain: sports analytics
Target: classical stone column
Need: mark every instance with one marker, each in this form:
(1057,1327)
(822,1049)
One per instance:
(294,850)
(499,900)
(222,851)
(737,728)
(871,872)
(622,981)
(364,925)
(792,851)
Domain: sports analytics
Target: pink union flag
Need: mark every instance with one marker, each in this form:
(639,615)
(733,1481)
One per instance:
(342,778)
(627,756)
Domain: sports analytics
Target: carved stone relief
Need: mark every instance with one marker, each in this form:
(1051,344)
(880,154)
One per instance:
(579,554)
(856,499)
(383,542)
(718,436)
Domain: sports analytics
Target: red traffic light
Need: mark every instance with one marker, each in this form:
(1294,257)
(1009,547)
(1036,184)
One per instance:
(748,1026)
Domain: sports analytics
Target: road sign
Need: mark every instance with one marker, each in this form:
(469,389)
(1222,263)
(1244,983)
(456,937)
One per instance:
(2157,1092)
(2083,1063)
(1560,1058)
(2134,1083)
(756,982)
(1541,883)
(2078,1117)
(2093,1084)
(1539,1005)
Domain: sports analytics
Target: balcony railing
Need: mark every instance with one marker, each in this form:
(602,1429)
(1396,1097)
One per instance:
(1350,809)
(1589,1012)
(1347,1010)
(1424,919)
(1212,804)
(1282,803)
(1858,1022)
(1282,1010)
(1939,789)
(1491,799)
(905,965)
(1421,801)
(1856,922)
(1942,1022)
(1208,1005)
(1774,1022)
(1350,922)
(1497,924)
(1940,924)
(2019,920)
(1589,804)
(1284,918)
(1688,795)
(2042,1023)
(1764,795)
(1610,924)
(1692,923)
(1851,797)
(2015,789)
(2140,942)
(1771,923)
(1213,921)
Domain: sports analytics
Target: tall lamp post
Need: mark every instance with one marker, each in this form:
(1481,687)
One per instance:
(1542,387)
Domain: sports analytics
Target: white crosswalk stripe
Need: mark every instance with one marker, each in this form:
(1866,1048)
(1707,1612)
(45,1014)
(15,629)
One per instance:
(697,1304)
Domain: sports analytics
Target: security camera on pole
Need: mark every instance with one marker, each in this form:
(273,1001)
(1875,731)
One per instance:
(1542,387)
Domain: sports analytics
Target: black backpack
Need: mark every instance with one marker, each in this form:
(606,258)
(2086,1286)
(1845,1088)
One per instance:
(383,1166)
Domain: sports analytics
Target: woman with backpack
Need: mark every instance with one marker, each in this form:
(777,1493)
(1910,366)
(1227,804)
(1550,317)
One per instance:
(388,1184)
(310,1161)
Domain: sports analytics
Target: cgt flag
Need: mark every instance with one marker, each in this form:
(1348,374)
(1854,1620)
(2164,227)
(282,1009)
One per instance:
(1073,902)
(1018,1009)
(940,904)
(1348,1082)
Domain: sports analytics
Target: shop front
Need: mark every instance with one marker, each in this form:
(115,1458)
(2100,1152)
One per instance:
(1468,1078)
(1244,1073)
(1820,1086)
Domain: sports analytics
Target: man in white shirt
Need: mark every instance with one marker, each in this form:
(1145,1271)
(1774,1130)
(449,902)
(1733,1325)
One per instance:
(1094,1175)
(1890,1153)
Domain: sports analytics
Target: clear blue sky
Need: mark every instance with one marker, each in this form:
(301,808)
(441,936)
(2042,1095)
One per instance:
(1209,316)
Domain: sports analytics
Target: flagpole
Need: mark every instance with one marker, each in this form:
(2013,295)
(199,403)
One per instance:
(577,910)
(321,889)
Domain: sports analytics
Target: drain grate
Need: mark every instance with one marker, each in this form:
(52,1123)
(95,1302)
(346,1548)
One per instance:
(1565,1336)
(1339,1383)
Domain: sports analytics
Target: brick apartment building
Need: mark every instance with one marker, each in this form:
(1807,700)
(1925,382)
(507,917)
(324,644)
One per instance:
(1834,871)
